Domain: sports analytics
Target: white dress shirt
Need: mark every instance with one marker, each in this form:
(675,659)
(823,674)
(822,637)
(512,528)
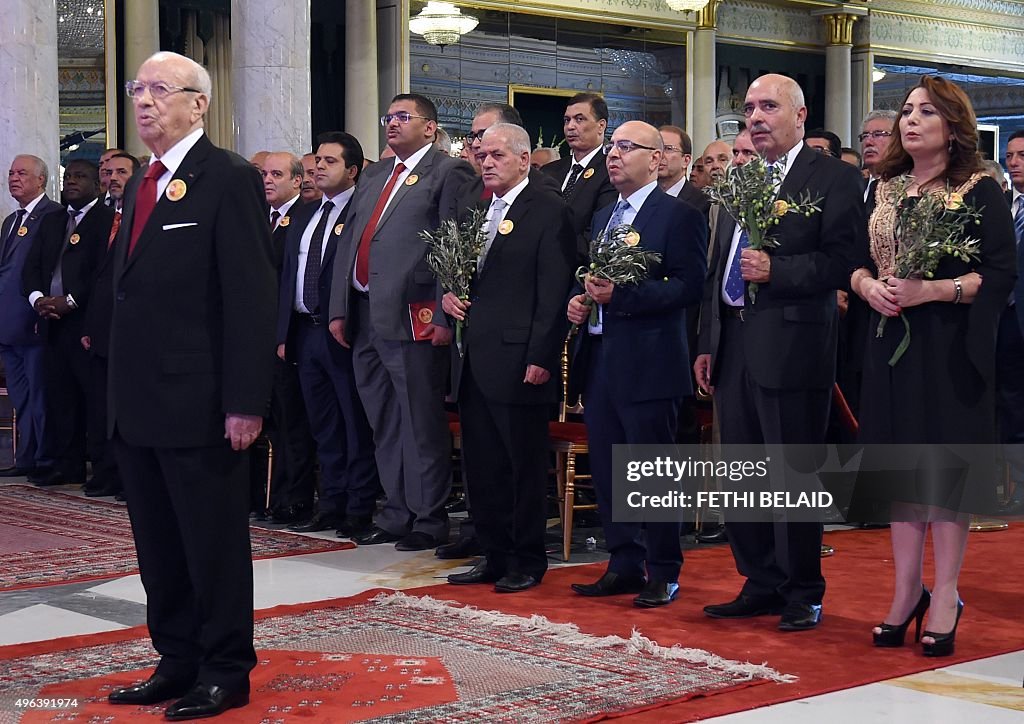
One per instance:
(173,158)
(340,201)
(78,220)
(584,162)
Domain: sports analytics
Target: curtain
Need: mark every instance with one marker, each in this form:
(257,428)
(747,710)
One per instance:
(215,56)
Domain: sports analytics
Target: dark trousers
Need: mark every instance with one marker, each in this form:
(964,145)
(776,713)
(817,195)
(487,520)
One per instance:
(777,559)
(617,422)
(189,509)
(104,464)
(349,482)
(23,370)
(504,449)
(293,479)
(1010,395)
(68,379)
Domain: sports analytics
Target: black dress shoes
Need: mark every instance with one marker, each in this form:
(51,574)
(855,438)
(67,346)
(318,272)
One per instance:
(744,606)
(294,513)
(39,474)
(716,534)
(800,616)
(56,477)
(375,536)
(353,525)
(480,573)
(417,541)
(17,472)
(657,593)
(205,700)
(153,690)
(319,522)
(515,582)
(101,489)
(610,584)
(462,548)
(1013,507)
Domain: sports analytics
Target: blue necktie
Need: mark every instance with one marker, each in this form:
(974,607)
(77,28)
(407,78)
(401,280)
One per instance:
(617,213)
(734,281)
(1018,219)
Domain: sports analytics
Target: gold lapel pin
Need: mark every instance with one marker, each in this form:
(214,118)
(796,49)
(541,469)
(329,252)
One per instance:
(176,190)
(22,230)
(411,181)
(505,227)
(588,173)
(74,239)
(285,220)
(338,229)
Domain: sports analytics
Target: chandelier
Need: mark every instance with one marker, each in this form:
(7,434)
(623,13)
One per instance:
(686,5)
(441,23)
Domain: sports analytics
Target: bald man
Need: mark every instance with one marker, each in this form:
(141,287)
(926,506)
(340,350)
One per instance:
(771,364)
(628,365)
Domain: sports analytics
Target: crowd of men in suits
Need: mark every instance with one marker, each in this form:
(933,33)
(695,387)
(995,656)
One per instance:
(364,354)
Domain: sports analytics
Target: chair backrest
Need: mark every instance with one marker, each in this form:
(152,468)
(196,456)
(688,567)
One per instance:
(568,407)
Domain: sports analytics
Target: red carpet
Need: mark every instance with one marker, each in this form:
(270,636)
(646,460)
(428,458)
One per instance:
(837,655)
(390,658)
(48,538)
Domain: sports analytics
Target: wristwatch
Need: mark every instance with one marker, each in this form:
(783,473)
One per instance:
(71,301)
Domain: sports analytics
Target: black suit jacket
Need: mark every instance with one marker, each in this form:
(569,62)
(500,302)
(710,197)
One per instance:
(593,191)
(280,234)
(644,327)
(301,214)
(517,317)
(695,198)
(79,264)
(471,192)
(789,335)
(96,320)
(192,335)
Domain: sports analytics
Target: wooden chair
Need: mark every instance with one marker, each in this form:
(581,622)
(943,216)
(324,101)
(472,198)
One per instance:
(568,441)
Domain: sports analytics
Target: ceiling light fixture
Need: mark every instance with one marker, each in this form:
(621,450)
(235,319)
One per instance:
(441,23)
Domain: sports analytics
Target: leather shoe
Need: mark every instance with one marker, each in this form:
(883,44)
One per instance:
(657,593)
(462,548)
(375,536)
(480,573)
(744,606)
(800,616)
(153,690)
(610,584)
(1013,507)
(717,534)
(294,513)
(417,541)
(56,477)
(39,474)
(319,522)
(101,490)
(515,582)
(205,700)
(353,525)
(17,472)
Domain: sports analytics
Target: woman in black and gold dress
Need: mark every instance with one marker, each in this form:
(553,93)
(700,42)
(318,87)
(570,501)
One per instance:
(942,390)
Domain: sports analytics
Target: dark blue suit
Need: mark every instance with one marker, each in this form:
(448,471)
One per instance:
(634,375)
(348,471)
(20,343)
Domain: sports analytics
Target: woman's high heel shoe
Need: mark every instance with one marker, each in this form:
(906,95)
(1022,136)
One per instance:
(943,645)
(891,636)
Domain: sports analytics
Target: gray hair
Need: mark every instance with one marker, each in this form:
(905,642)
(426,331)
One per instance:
(516,137)
(443,141)
(993,169)
(879,115)
(41,169)
(200,76)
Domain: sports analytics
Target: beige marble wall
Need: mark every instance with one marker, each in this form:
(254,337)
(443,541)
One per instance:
(28,86)
(270,82)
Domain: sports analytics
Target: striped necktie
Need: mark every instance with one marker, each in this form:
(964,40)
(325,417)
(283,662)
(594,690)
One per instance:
(1018,219)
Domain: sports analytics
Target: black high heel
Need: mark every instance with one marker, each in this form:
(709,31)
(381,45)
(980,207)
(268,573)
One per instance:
(891,636)
(943,645)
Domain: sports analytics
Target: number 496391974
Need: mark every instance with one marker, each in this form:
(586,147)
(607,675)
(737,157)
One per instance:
(46,703)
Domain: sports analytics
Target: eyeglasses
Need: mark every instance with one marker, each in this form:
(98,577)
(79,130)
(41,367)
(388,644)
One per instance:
(873,134)
(672,149)
(475,136)
(159,90)
(624,146)
(822,150)
(402,117)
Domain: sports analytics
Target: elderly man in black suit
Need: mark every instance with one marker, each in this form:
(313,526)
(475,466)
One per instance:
(508,379)
(771,364)
(348,473)
(21,345)
(58,279)
(582,175)
(630,365)
(191,368)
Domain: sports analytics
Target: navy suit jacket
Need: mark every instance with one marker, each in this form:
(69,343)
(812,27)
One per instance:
(18,321)
(644,327)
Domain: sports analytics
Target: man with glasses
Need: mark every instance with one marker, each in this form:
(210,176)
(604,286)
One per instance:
(384,305)
(191,367)
(630,365)
(582,175)
(824,142)
(675,164)
(875,134)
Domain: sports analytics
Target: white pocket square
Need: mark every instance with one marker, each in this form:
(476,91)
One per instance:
(168,227)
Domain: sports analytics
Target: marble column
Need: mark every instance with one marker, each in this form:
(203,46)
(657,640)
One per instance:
(270,83)
(362,114)
(392,53)
(28,84)
(702,128)
(141,40)
(838,94)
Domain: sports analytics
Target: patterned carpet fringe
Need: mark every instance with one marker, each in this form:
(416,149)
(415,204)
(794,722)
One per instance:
(569,634)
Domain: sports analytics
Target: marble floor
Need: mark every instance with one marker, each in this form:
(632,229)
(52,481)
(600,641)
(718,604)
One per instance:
(988,689)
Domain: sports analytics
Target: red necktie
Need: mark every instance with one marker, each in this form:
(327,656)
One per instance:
(113,229)
(145,201)
(363,255)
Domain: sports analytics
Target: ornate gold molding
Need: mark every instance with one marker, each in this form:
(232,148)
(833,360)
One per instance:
(839,28)
(707,18)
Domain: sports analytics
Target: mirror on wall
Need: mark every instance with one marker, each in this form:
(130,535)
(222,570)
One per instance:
(81,77)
